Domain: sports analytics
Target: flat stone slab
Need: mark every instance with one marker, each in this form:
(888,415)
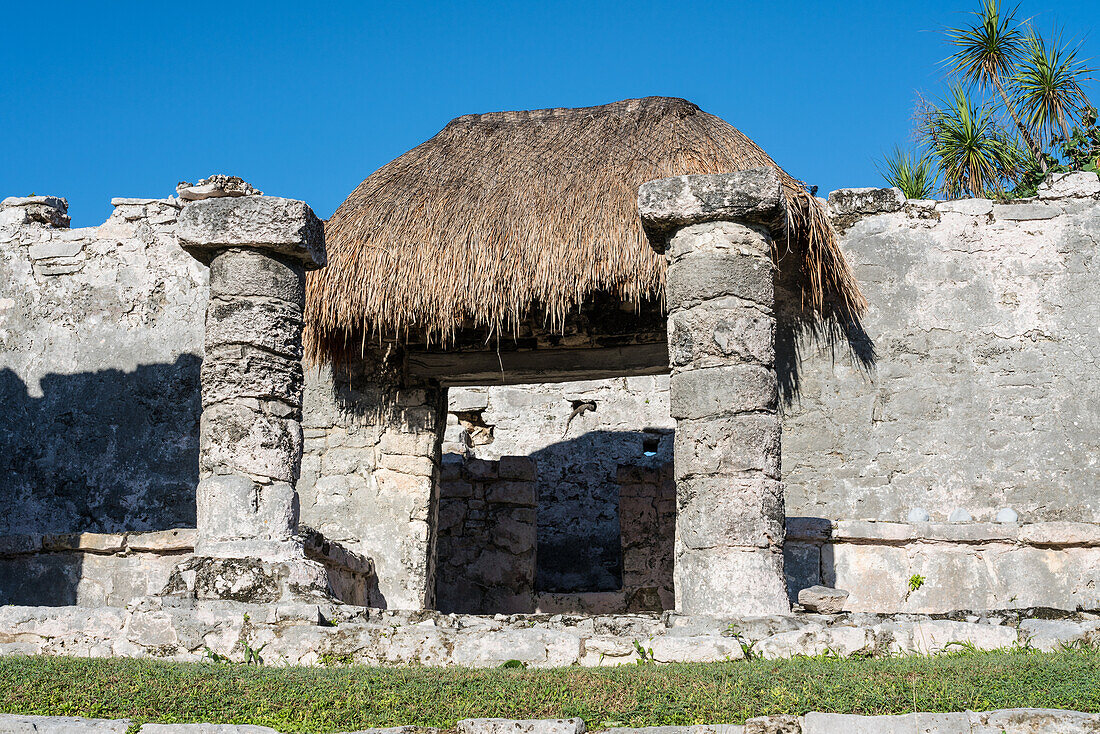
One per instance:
(823,599)
(280,226)
(755,196)
(521,726)
(1053,533)
(55,202)
(1025,212)
(1001,721)
(18,724)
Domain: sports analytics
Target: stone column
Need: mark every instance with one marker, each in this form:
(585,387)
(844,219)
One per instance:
(250,434)
(715,231)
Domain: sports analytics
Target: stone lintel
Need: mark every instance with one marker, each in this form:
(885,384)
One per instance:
(754,196)
(269,223)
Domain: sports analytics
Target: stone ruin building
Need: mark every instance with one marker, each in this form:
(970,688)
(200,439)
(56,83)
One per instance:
(600,361)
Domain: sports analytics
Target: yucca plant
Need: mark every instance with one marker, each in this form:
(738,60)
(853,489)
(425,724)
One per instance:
(913,174)
(987,55)
(1047,87)
(975,157)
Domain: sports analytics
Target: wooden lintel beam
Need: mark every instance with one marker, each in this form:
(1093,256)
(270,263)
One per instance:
(539,365)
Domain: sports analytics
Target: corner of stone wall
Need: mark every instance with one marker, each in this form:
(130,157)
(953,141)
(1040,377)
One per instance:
(370,472)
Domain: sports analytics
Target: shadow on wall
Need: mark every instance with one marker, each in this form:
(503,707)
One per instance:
(580,529)
(806,561)
(796,330)
(599,518)
(104,451)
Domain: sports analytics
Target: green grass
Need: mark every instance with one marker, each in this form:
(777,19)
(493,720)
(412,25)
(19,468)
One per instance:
(348,698)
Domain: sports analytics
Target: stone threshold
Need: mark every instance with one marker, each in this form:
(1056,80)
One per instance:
(310,634)
(999,721)
(1040,534)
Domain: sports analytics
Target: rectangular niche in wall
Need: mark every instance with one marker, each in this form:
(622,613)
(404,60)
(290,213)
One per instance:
(601,463)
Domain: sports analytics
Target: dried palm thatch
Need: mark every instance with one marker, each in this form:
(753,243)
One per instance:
(505,212)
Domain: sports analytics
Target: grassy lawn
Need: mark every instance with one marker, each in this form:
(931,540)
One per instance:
(348,698)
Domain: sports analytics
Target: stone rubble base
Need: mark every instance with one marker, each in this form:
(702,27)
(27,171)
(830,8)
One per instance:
(1004,721)
(308,634)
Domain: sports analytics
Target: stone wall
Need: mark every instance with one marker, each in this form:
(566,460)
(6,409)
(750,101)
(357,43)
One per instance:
(486,544)
(121,569)
(935,568)
(101,333)
(311,634)
(981,396)
(647,517)
(983,393)
(370,472)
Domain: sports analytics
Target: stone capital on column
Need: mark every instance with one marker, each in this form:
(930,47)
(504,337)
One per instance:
(716,233)
(279,227)
(749,197)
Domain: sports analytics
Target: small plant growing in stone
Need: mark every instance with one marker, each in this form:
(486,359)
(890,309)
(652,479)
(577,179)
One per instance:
(332,660)
(732,630)
(645,656)
(960,647)
(216,657)
(514,665)
(252,654)
(915,582)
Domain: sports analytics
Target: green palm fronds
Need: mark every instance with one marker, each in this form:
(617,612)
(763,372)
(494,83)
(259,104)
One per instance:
(1047,86)
(974,155)
(987,49)
(987,54)
(913,174)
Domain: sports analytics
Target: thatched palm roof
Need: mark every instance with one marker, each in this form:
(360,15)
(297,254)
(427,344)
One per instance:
(504,212)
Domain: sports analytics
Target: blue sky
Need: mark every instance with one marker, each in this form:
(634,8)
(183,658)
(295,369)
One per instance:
(305,100)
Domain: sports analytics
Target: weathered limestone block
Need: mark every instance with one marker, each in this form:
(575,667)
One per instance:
(1070,185)
(274,225)
(1025,212)
(245,272)
(215,186)
(822,599)
(818,723)
(719,330)
(48,210)
(723,391)
(237,371)
(719,259)
(749,442)
(753,196)
(235,437)
(862,201)
(268,527)
(750,579)
(249,579)
(258,322)
(729,511)
(775,724)
(521,726)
